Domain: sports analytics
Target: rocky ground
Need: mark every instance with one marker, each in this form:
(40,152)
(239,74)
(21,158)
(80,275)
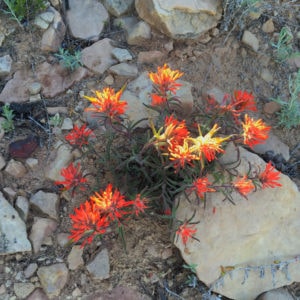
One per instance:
(118,45)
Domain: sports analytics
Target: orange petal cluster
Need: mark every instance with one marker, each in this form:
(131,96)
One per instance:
(174,140)
(73,178)
(94,216)
(201,186)
(164,81)
(255,131)
(243,185)
(269,177)
(108,103)
(87,222)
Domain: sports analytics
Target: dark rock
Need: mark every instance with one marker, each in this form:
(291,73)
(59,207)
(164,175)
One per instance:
(23,148)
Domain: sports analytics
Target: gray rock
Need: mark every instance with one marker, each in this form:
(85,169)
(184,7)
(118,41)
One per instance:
(15,168)
(40,23)
(136,94)
(124,69)
(22,206)
(23,289)
(37,294)
(118,7)
(121,54)
(86,19)
(250,40)
(34,88)
(180,19)
(47,16)
(275,144)
(126,23)
(109,80)
(75,258)
(266,75)
(16,89)
(41,229)
(62,239)
(32,163)
(53,278)
(56,79)
(259,231)
(47,203)
(10,194)
(5,65)
(12,230)
(61,158)
(54,35)
(99,266)
(139,33)
(67,124)
(98,57)
(276,294)
(30,270)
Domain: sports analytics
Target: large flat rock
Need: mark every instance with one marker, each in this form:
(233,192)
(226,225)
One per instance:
(252,237)
(180,19)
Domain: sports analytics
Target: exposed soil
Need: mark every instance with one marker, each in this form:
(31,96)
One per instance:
(151,265)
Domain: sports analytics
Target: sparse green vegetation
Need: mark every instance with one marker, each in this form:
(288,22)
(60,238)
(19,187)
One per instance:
(289,115)
(8,123)
(283,47)
(22,10)
(69,60)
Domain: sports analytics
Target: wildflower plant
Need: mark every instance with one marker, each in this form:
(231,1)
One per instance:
(150,166)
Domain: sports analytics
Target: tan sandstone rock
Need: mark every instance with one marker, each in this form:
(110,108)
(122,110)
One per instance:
(260,231)
(180,19)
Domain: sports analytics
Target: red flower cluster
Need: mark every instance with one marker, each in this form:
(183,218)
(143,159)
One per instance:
(96,215)
(201,186)
(73,178)
(269,177)
(164,82)
(243,185)
(185,232)
(79,135)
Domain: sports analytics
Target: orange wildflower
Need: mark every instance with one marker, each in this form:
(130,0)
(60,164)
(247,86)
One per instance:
(174,133)
(139,204)
(181,154)
(73,178)
(243,185)
(158,100)
(242,101)
(87,222)
(269,177)
(165,79)
(185,232)
(201,186)
(207,145)
(79,135)
(107,102)
(111,203)
(255,132)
